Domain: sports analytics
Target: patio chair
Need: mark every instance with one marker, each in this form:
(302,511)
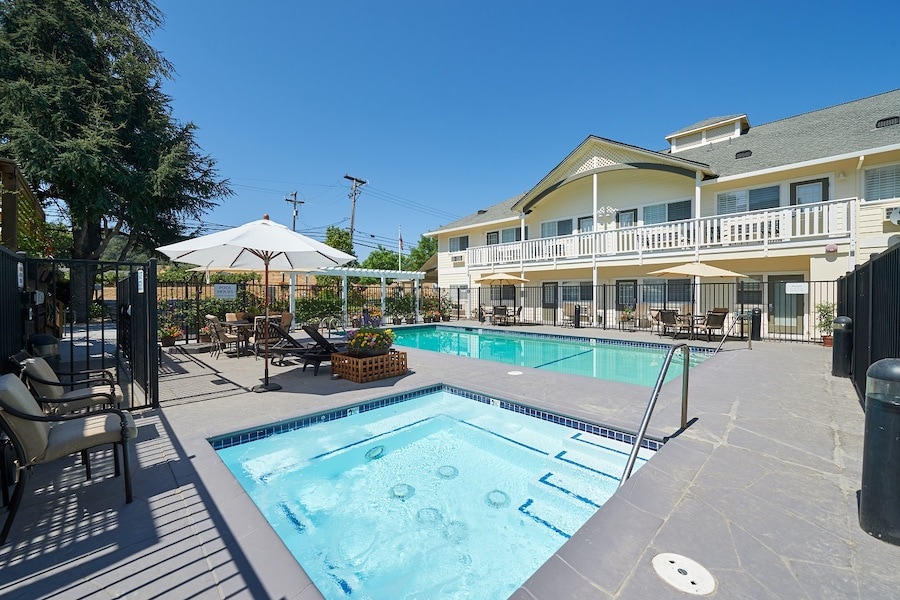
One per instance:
(500,316)
(220,338)
(37,438)
(515,317)
(60,398)
(262,332)
(568,319)
(656,321)
(713,321)
(671,321)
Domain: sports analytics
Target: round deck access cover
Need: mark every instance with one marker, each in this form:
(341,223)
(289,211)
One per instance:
(684,574)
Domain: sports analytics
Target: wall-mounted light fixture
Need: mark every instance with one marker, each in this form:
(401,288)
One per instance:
(831,248)
(841,176)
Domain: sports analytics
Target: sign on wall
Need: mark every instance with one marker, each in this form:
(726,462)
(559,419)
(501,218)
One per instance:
(796,287)
(225,291)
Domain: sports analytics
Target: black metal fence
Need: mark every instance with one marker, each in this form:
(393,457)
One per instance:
(870,296)
(67,311)
(788,308)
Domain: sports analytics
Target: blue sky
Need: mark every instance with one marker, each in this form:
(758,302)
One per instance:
(447,108)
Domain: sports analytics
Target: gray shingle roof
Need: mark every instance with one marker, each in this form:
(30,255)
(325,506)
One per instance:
(501,210)
(841,129)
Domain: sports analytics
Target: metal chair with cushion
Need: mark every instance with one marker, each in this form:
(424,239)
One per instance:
(37,438)
(713,321)
(57,397)
(221,338)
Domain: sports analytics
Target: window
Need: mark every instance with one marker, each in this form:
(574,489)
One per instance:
(500,293)
(883,183)
(807,192)
(574,291)
(626,218)
(556,228)
(626,293)
(750,291)
(493,237)
(460,243)
(744,200)
(662,291)
(585,224)
(672,211)
(512,234)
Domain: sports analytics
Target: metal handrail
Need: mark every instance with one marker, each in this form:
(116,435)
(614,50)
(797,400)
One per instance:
(642,430)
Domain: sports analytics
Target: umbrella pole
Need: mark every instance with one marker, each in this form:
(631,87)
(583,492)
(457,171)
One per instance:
(266,386)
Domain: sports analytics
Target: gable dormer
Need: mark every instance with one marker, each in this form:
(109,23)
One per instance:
(708,131)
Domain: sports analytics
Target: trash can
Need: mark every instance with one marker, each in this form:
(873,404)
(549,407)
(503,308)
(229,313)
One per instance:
(756,324)
(577,318)
(879,497)
(45,346)
(842,348)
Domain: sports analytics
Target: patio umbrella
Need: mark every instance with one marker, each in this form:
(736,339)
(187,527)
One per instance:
(695,269)
(501,279)
(259,244)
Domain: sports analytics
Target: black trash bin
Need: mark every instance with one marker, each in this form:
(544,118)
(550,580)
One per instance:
(879,498)
(756,324)
(45,346)
(577,318)
(842,348)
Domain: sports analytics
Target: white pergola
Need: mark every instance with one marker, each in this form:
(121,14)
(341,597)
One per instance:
(383,274)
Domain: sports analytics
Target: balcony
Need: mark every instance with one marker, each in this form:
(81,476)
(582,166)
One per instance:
(755,230)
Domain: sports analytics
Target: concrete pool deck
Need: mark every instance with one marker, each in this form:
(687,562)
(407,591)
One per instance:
(761,488)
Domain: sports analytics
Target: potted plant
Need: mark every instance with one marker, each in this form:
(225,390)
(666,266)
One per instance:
(169,333)
(627,313)
(204,336)
(369,341)
(824,321)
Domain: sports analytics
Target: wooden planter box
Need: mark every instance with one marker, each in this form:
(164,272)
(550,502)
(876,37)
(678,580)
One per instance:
(361,370)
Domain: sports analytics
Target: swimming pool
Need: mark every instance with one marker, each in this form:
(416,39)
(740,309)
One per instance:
(627,362)
(438,493)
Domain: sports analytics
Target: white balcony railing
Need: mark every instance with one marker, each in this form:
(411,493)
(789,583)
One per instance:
(755,229)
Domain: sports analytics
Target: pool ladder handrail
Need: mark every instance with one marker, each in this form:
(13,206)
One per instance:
(642,430)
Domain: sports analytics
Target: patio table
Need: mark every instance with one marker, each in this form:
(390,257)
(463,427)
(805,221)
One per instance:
(242,329)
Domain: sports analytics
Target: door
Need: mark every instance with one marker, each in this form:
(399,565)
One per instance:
(785,310)
(549,301)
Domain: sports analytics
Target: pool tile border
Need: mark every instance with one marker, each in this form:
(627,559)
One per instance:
(242,437)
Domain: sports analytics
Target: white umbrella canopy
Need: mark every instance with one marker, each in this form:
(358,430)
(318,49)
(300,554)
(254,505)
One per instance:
(259,244)
(695,269)
(256,245)
(501,279)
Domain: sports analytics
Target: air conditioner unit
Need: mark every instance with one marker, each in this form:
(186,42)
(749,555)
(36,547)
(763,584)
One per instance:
(892,215)
(458,260)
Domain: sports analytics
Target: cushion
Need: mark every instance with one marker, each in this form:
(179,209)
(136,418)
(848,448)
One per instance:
(68,437)
(32,435)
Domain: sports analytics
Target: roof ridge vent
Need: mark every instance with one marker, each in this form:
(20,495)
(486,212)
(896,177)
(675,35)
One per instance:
(887,122)
(481,211)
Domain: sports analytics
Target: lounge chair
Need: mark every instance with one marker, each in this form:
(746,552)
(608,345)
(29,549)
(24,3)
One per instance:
(37,438)
(321,351)
(286,346)
(713,321)
(60,398)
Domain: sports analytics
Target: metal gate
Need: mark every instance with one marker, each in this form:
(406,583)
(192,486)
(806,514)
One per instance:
(102,314)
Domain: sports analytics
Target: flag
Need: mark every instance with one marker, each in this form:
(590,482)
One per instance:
(400,235)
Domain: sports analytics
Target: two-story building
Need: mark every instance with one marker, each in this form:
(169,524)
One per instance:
(786,203)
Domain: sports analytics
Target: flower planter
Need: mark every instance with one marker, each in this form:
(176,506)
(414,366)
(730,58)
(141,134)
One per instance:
(361,370)
(368,353)
(167,341)
(828,341)
(204,338)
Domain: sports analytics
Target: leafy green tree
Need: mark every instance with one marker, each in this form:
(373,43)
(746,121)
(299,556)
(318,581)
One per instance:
(420,253)
(339,238)
(83,113)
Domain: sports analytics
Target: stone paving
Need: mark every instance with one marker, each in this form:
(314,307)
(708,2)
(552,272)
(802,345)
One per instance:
(760,489)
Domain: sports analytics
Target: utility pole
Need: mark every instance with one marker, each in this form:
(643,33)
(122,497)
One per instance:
(354,192)
(292,303)
(293,200)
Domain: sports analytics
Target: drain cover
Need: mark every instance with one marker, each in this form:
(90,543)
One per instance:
(684,574)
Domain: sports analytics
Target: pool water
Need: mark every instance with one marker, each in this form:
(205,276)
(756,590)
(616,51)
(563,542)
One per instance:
(601,359)
(439,496)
